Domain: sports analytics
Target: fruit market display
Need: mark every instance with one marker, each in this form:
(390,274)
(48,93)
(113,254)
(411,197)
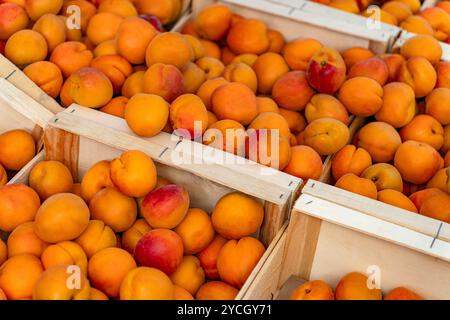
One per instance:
(159,249)
(352,286)
(17,148)
(401,157)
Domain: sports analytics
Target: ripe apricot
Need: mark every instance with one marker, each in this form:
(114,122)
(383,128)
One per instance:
(213,22)
(212,67)
(115,67)
(23,239)
(146,284)
(437,105)
(37,8)
(103,26)
(313,290)
(393,62)
(134,84)
(269,67)
(166,11)
(305,163)
(402,293)
(131,236)
(256,40)
(354,54)
(355,184)
(95,179)
(208,257)
(361,96)
(292,91)
(45,75)
(181,293)
(189,275)
(116,107)
(169,48)
(124,8)
(66,253)
(437,207)
(210,49)
(193,77)
(419,197)
(439,21)
(417,24)
(326,106)
(397,199)
(13,18)
(17,148)
(419,74)
(266,104)
(385,176)
(354,287)
(350,159)
(241,72)
(207,89)
(50,177)
(189,113)
(426,129)
(422,46)
(71,56)
(18,51)
(326,135)
(216,290)
(297,53)
(374,68)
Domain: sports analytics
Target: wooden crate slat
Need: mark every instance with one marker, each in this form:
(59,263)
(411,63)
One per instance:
(419,223)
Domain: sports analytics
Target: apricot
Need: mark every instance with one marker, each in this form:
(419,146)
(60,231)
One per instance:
(216,290)
(247,58)
(134,173)
(417,162)
(19,275)
(256,41)
(189,275)
(305,163)
(211,49)
(189,113)
(436,207)
(237,215)
(3,252)
(326,106)
(443,74)
(52,28)
(326,70)
(297,53)
(71,56)
(196,231)
(355,184)
(45,75)
(380,139)
(241,72)
(13,18)
(115,67)
(105,48)
(146,284)
(295,120)
(374,68)
(66,253)
(108,268)
(419,197)
(207,89)
(2,295)
(181,293)
(17,148)
(267,104)
(87,11)
(18,51)
(213,22)
(237,259)
(354,287)
(439,21)
(393,62)
(212,67)
(397,199)
(194,76)
(276,40)
(444,5)
(361,96)
(234,101)
(402,293)
(271,121)
(37,8)
(350,6)
(385,176)
(96,294)
(3,176)
(437,105)
(422,46)
(50,177)
(18,204)
(413,4)
(103,26)
(326,135)
(269,148)
(269,68)
(166,207)
(95,179)
(90,87)
(124,8)
(163,80)
(417,24)
(161,249)
(350,159)
(227,56)
(146,114)
(292,91)
(399,105)
(166,11)
(419,74)
(208,257)
(116,107)
(426,129)
(226,135)
(53,285)
(61,217)
(133,37)
(169,48)
(355,54)
(131,236)
(23,239)
(313,290)
(212,119)
(398,9)
(134,84)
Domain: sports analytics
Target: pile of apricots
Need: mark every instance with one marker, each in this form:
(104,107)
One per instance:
(407,14)
(122,233)
(353,286)
(17,148)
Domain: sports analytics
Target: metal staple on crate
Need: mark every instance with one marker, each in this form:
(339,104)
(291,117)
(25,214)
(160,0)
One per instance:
(164,151)
(437,235)
(9,75)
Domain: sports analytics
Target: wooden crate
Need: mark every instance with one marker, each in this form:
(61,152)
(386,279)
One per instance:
(19,111)
(296,19)
(333,232)
(80,147)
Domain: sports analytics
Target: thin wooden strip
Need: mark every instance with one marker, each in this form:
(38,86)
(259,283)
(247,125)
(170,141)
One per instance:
(378,209)
(22,175)
(373,226)
(221,174)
